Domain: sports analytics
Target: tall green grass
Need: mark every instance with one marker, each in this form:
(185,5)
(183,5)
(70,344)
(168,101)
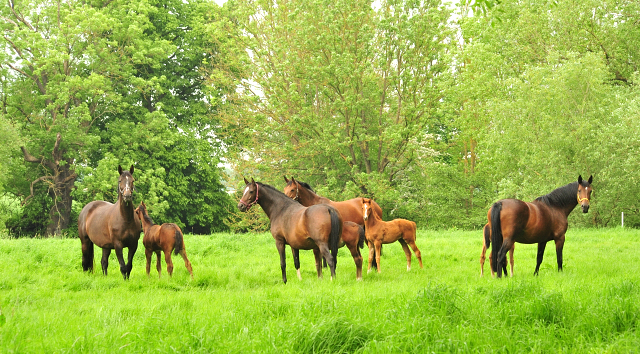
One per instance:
(237,303)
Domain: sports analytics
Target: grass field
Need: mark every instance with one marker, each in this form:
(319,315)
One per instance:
(238,304)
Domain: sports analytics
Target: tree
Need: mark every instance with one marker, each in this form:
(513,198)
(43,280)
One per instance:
(340,93)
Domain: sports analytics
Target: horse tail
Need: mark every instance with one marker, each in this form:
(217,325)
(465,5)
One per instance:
(177,247)
(336,232)
(496,234)
(361,237)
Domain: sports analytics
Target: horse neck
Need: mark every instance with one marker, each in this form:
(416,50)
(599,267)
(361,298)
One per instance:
(309,198)
(569,207)
(271,203)
(145,224)
(126,209)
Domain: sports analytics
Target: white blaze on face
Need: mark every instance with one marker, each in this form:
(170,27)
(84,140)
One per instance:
(246,190)
(366,210)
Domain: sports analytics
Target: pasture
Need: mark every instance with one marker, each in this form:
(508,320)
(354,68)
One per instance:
(237,302)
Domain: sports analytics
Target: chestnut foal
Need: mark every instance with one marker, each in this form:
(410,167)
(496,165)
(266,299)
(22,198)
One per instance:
(378,232)
(165,238)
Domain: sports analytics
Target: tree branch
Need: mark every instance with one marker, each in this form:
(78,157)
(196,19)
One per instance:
(43,178)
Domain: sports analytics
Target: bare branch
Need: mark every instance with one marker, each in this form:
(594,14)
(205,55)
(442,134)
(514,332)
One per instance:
(43,178)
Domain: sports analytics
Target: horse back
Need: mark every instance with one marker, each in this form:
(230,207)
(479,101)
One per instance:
(351,210)
(525,222)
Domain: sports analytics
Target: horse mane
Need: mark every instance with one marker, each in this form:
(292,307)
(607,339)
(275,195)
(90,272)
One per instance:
(307,186)
(145,215)
(561,197)
(303,184)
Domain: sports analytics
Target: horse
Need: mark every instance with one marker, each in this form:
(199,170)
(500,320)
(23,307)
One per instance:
(486,242)
(352,233)
(378,232)
(111,226)
(317,228)
(166,238)
(543,220)
(349,209)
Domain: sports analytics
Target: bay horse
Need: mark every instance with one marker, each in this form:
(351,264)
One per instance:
(350,210)
(317,228)
(352,233)
(486,242)
(111,226)
(378,232)
(161,238)
(543,220)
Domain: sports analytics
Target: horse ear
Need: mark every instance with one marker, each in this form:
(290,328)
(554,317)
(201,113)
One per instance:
(252,181)
(131,169)
(580,179)
(285,179)
(590,179)
(245,180)
(293,180)
(119,169)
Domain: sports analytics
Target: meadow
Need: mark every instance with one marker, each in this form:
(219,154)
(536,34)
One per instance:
(237,302)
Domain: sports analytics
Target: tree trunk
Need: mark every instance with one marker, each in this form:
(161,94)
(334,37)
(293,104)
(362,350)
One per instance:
(62,182)
(60,212)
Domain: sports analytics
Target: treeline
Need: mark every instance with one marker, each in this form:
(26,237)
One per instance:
(434,111)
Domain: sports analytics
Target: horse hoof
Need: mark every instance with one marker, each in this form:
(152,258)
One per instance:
(299,276)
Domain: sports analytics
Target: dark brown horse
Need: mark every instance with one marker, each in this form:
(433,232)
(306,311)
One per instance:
(111,226)
(378,232)
(161,238)
(540,221)
(486,242)
(352,233)
(316,228)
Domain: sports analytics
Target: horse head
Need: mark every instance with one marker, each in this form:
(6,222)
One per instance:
(366,208)
(584,193)
(249,196)
(125,184)
(292,189)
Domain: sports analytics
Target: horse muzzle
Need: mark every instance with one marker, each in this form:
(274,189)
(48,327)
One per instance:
(242,207)
(585,208)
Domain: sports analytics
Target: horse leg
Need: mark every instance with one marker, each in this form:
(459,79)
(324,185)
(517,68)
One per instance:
(167,259)
(559,246)
(105,260)
(283,264)
(541,247)
(371,253)
(187,264)
(123,266)
(416,251)
(331,262)
(158,263)
(407,253)
(296,260)
(483,257)
(378,247)
(87,254)
(148,253)
(507,242)
(316,254)
(132,251)
(511,257)
(357,258)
